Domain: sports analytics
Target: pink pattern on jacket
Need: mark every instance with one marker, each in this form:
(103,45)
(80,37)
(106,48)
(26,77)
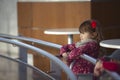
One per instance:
(90,48)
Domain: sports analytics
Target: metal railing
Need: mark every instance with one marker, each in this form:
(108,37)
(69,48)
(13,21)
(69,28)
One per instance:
(44,53)
(20,70)
(23,51)
(32,40)
(57,46)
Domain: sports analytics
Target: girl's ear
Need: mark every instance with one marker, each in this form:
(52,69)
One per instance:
(94,35)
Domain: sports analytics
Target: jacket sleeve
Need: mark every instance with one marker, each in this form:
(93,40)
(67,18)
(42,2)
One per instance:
(89,48)
(67,48)
(108,65)
(111,66)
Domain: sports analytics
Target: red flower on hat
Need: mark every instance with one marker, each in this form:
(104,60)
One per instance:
(93,24)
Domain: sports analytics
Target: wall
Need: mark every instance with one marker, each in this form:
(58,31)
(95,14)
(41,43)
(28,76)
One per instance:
(35,17)
(108,13)
(8,23)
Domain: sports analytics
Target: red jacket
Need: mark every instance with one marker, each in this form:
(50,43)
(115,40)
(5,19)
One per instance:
(81,65)
(111,66)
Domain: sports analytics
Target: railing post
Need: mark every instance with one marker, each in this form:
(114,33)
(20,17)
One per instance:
(55,70)
(23,54)
(23,58)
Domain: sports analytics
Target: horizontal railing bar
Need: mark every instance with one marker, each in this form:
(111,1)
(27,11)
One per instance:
(33,40)
(44,53)
(84,56)
(88,58)
(21,62)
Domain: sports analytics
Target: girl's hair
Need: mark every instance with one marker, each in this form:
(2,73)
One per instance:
(92,26)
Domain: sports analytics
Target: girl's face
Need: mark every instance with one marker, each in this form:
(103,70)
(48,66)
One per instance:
(86,35)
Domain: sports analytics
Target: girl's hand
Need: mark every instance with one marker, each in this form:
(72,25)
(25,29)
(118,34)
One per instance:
(65,55)
(98,68)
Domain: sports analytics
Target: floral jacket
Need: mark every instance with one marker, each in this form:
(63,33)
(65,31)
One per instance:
(89,47)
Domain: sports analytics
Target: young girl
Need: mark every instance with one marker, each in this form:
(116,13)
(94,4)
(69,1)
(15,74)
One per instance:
(90,36)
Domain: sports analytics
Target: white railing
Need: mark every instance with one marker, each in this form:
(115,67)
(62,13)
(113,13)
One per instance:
(57,46)
(44,53)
